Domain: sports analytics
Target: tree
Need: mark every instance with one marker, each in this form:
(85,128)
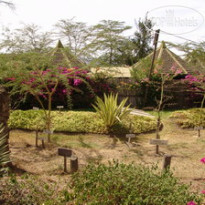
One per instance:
(77,36)
(8,3)
(43,84)
(29,38)
(142,38)
(108,37)
(4,148)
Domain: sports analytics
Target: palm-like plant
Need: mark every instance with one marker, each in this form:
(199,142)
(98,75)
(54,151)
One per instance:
(4,146)
(110,112)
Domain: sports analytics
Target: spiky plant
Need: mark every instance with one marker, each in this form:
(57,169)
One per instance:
(4,147)
(110,112)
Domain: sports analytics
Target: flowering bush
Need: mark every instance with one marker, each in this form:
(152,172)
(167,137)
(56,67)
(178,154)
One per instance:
(196,84)
(75,87)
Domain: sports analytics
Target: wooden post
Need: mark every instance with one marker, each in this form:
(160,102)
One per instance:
(199,133)
(166,162)
(43,144)
(74,164)
(65,153)
(156,37)
(157,149)
(36,138)
(42,141)
(65,164)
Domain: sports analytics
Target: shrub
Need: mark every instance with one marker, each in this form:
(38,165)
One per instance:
(78,121)
(4,148)
(109,111)
(128,184)
(29,190)
(190,118)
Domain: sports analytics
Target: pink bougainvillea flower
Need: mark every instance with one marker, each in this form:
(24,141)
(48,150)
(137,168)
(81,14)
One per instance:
(12,79)
(64,91)
(203,191)
(191,203)
(77,82)
(202,160)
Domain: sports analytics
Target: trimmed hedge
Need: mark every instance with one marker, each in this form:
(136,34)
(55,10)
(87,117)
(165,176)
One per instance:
(78,122)
(190,118)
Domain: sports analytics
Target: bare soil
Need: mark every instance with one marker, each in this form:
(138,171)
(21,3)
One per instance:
(187,150)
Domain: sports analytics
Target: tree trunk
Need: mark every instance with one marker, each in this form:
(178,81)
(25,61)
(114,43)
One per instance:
(4,115)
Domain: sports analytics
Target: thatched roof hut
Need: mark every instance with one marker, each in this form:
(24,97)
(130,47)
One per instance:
(64,57)
(166,60)
(115,72)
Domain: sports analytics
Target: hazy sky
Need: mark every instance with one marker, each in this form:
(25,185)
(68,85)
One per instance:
(176,16)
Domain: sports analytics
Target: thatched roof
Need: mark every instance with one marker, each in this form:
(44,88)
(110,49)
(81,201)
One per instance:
(116,72)
(199,66)
(64,57)
(166,60)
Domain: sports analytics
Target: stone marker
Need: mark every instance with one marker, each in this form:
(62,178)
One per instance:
(198,128)
(35,108)
(166,162)
(158,142)
(60,107)
(129,136)
(65,153)
(48,131)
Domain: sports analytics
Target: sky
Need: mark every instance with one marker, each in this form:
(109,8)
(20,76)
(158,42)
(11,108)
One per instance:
(184,18)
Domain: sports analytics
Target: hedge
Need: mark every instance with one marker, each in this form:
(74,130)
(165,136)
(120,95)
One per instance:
(78,122)
(189,118)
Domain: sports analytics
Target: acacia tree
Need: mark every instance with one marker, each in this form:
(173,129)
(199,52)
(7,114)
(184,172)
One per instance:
(108,35)
(29,38)
(8,3)
(77,36)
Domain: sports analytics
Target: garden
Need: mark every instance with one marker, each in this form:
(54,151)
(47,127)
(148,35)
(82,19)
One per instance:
(107,119)
(115,162)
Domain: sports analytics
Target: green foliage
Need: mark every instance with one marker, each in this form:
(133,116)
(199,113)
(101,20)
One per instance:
(77,121)
(4,147)
(110,112)
(142,38)
(190,118)
(28,38)
(108,37)
(128,184)
(30,190)
(15,63)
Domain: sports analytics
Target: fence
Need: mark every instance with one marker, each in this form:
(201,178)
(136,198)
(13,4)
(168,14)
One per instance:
(177,93)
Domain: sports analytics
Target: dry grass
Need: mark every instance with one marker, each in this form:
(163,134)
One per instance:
(186,148)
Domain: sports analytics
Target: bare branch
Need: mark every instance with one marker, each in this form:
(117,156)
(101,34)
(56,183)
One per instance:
(8,3)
